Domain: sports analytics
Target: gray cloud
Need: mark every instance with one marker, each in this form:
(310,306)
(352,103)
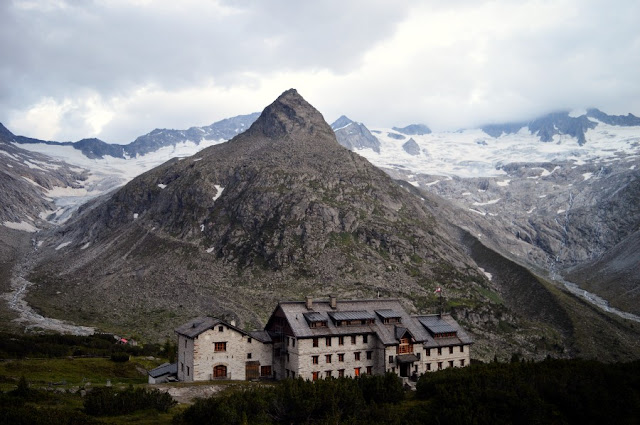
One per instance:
(117,69)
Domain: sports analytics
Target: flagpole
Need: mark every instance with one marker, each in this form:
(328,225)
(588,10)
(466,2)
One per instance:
(439,292)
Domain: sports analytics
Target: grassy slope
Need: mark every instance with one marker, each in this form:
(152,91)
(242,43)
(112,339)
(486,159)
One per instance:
(74,371)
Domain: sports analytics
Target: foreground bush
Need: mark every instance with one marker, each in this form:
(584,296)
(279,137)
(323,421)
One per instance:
(552,391)
(120,357)
(295,401)
(549,392)
(108,401)
(17,407)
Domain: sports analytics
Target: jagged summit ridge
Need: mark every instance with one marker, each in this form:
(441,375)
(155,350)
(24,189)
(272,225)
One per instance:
(289,115)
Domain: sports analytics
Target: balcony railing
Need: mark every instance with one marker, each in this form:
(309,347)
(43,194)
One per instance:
(405,349)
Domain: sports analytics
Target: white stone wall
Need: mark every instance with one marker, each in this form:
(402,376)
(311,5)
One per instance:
(201,358)
(197,357)
(459,358)
(301,356)
(417,368)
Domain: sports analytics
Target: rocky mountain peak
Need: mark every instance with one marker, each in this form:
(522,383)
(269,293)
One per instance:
(354,135)
(341,122)
(290,115)
(5,134)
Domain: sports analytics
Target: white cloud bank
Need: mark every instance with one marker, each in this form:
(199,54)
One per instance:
(117,69)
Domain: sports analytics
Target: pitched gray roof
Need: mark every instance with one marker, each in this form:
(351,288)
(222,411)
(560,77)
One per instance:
(313,316)
(388,314)
(295,311)
(436,324)
(351,315)
(446,321)
(406,358)
(400,331)
(262,336)
(195,327)
(164,369)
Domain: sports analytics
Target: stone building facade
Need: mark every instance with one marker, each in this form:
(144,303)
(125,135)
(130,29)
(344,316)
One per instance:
(321,339)
(210,348)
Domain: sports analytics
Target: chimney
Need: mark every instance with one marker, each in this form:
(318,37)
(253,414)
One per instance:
(232,323)
(309,302)
(333,301)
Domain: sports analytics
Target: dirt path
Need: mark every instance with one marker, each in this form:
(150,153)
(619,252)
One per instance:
(187,394)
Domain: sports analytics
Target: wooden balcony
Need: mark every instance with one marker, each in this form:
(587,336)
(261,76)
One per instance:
(404,349)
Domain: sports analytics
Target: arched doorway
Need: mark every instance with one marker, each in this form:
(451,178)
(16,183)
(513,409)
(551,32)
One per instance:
(219,372)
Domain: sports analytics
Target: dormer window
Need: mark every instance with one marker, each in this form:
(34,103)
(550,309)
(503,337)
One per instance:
(438,327)
(352,318)
(315,319)
(389,316)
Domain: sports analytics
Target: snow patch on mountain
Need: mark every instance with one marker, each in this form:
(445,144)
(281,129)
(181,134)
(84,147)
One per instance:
(22,225)
(62,245)
(493,201)
(219,192)
(473,153)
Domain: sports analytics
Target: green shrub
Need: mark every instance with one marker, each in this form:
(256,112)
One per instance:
(120,357)
(296,401)
(108,401)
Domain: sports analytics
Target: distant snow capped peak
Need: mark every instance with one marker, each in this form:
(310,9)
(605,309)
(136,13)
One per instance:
(413,130)
(341,122)
(354,135)
(573,123)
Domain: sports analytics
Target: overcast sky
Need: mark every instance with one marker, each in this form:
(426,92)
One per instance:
(116,69)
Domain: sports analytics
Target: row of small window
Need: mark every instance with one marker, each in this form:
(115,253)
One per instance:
(328,357)
(341,339)
(440,350)
(329,373)
(451,364)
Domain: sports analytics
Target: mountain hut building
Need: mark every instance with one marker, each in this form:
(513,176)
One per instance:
(322,339)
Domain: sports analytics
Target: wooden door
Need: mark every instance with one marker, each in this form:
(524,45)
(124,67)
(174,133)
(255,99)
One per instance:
(220,371)
(252,370)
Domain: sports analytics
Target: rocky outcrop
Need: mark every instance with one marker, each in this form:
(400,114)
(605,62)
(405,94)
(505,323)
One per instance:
(411,147)
(396,136)
(620,120)
(353,135)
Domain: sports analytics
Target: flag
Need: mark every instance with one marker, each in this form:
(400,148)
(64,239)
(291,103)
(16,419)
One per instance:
(438,290)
